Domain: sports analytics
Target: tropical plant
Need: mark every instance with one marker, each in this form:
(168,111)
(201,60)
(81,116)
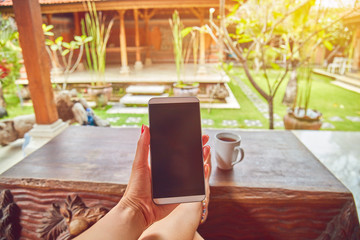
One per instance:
(66,51)
(300,108)
(282,38)
(10,54)
(180,52)
(95,26)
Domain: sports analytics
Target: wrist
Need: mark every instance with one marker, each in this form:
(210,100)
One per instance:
(133,214)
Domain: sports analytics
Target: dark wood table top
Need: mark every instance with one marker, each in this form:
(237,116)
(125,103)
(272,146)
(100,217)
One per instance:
(279,191)
(273,159)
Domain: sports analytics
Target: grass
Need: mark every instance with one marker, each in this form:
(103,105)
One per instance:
(329,99)
(217,115)
(14,108)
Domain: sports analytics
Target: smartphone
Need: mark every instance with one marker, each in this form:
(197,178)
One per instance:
(176,157)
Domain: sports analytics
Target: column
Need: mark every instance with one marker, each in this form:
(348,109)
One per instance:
(202,68)
(77,24)
(138,63)
(32,41)
(147,32)
(147,16)
(199,13)
(124,62)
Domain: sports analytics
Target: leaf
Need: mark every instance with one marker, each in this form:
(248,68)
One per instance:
(78,38)
(277,14)
(88,39)
(58,40)
(66,45)
(245,40)
(49,42)
(328,45)
(48,33)
(54,47)
(49,27)
(275,66)
(66,51)
(73,44)
(186,31)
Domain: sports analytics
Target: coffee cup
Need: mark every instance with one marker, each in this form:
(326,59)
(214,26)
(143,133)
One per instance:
(227,150)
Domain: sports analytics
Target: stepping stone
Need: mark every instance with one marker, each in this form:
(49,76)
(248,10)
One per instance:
(276,116)
(353,118)
(122,109)
(336,119)
(133,120)
(232,123)
(129,125)
(253,123)
(145,90)
(327,125)
(113,119)
(208,122)
(278,124)
(130,99)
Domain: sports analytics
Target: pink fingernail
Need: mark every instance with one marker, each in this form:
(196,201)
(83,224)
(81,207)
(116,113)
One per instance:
(142,129)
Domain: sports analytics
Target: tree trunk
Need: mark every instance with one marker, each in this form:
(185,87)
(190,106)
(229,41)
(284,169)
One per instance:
(291,88)
(271,113)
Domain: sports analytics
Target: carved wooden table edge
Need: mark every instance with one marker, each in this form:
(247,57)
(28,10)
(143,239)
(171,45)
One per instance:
(52,197)
(278,194)
(229,192)
(65,185)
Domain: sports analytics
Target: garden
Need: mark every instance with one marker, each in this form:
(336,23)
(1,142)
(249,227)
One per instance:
(269,61)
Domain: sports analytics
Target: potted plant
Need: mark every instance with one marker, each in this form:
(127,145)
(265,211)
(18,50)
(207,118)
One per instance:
(66,51)
(300,116)
(180,88)
(94,25)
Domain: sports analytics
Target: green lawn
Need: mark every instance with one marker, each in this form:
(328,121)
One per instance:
(14,108)
(217,115)
(331,100)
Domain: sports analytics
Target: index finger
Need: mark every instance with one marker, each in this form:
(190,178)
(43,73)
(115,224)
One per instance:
(205,139)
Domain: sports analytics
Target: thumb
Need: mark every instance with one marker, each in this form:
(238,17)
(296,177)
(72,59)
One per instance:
(142,151)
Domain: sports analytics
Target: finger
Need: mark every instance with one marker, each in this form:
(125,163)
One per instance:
(206,152)
(142,151)
(207,171)
(205,139)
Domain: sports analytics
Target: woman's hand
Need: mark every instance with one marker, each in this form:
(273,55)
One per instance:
(138,192)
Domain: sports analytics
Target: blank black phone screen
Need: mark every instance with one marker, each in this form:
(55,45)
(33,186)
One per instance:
(176,150)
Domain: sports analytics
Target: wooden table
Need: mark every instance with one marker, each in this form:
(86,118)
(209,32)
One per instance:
(279,191)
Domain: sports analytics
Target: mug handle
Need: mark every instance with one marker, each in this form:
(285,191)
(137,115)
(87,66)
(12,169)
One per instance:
(240,155)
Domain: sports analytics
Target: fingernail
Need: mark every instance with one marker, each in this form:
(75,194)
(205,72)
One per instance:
(142,129)
(206,149)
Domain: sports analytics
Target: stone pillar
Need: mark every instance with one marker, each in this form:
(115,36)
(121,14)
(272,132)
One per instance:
(32,41)
(138,63)
(124,62)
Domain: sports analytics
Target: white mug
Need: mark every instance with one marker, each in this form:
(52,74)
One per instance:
(227,150)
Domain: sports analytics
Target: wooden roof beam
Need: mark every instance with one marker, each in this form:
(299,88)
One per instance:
(123,5)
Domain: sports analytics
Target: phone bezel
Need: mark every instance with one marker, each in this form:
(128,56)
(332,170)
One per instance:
(179,199)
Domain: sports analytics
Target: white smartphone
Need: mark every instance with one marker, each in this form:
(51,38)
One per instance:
(177,169)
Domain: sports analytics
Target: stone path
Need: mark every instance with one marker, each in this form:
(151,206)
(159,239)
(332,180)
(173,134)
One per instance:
(260,105)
